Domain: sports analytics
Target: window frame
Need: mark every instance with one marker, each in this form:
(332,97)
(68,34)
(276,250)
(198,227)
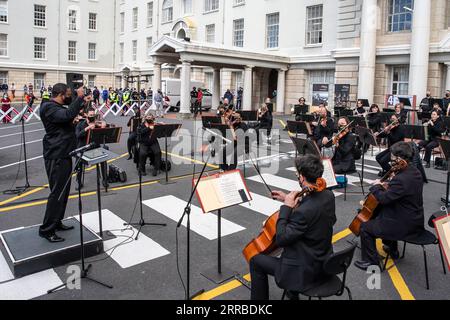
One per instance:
(241,33)
(42,45)
(275,37)
(74,53)
(37,18)
(311,23)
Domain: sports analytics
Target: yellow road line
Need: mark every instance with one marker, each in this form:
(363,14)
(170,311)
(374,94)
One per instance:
(396,278)
(220,290)
(191,160)
(284,126)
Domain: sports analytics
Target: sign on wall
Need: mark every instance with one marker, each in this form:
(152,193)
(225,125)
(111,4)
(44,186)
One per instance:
(342,95)
(320,94)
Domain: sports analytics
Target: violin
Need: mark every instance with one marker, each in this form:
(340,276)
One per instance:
(340,135)
(371,203)
(388,128)
(265,242)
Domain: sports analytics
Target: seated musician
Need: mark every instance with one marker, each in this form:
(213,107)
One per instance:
(304,230)
(436,127)
(343,160)
(394,133)
(400,211)
(81,132)
(301,103)
(148,147)
(374,118)
(360,111)
(265,119)
(132,138)
(323,127)
(401,113)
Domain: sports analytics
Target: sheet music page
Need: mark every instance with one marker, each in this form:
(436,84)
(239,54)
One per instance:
(446,237)
(229,188)
(328,173)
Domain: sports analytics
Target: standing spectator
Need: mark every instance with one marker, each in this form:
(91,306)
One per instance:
(105,95)
(229,96)
(6,104)
(143,94)
(199,102)
(42,90)
(13,90)
(158,100)
(25,89)
(96,96)
(240,95)
(194,95)
(446,103)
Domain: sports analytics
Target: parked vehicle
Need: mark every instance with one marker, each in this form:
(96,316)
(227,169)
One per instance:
(172,89)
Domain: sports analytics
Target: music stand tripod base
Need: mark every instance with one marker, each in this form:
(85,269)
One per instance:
(218,278)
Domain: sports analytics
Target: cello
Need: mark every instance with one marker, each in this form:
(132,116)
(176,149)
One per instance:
(265,242)
(371,203)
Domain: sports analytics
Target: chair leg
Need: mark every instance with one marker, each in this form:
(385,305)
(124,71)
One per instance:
(442,259)
(284,295)
(345,187)
(426,266)
(349,293)
(404,251)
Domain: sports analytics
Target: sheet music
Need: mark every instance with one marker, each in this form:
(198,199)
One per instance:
(229,188)
(446,229)
(328,173)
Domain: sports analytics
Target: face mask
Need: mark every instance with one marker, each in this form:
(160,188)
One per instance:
(67,100)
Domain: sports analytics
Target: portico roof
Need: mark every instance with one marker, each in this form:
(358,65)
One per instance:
(171,50)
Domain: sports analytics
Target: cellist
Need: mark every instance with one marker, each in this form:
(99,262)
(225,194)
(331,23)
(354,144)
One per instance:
(304,230)
(400,210)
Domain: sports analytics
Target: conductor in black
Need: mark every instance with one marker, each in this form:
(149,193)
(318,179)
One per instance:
(58,142)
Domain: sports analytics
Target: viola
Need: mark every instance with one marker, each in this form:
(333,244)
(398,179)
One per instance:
(371,203)
(264,243)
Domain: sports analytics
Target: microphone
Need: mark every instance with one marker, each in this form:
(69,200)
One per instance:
(88,147)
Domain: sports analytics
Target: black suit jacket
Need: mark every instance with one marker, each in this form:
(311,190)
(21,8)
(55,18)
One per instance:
(59,139)
(305,234)
(401,205)
(343,160)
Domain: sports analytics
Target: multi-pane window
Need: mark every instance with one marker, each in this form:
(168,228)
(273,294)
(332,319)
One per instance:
(121,52)
(39,15)
(314,23)
(91,81)
(134,50)
(135,18)
(211,5)
(238,33)
(72,20)
(3,11)
(72,52)
(150,13)
(122,22)
(400,80)
(92,48)
(3,77)
(400,15)
(149,46)
(39,48)
(3,44)
(167,11)
(239,2)
(39,80)
(92,21)
(187,6)
(211,33)
(273,30)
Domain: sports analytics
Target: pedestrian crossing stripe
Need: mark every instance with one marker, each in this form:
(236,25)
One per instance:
(203,224)
(262,204)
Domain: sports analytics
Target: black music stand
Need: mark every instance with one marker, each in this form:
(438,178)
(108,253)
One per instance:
(358,122)
(102,136)
(165,131)
(424,116)
(447,122)
(207,121)
(298,109)
(445,146)
(406,102)
(249,116)
(415,132)
(367,138)
(346,113)
(306,146)
(299,127)
(222,128)
(388,110)
(307,117)
(440,102)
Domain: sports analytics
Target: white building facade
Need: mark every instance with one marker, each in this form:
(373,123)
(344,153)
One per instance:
(289,47)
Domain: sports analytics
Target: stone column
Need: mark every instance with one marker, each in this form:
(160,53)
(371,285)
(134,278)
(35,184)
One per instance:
(281,90)
(368,47)
(216,88)
(185,98)
(248,88)
(447,81)
(420,49)
(156,83)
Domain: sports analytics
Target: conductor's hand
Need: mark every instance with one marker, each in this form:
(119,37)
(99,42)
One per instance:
(279,195)
(292,199)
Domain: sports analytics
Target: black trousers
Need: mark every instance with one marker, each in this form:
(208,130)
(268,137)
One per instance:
(370,231)
(58,172)
(261,266)
(153,152)
(131,142)
(429,147)
(384,158)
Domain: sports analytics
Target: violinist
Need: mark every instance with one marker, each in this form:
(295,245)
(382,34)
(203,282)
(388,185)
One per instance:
(374,118)
(400,211)
(265,119)
(132,138)
(323,127)
(343,160)
(394,133)
(436,127)
(301,103)
(304,230)
(401,113)
(360,111)
(148,147)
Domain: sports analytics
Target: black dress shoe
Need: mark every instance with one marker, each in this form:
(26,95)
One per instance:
(63,227)
(51,237)
(130,157)
(364,265)
(393,254)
